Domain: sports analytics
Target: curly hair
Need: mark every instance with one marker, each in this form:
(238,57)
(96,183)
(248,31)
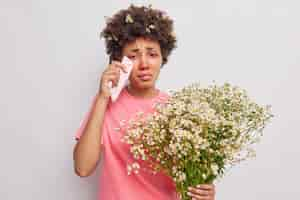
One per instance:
(128,24)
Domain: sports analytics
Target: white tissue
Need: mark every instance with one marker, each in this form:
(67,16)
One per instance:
(123,80)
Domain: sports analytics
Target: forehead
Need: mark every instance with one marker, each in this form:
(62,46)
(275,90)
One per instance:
(142,44)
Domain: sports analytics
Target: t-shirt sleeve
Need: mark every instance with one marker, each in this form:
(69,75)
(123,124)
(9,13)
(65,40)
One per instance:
(85,119)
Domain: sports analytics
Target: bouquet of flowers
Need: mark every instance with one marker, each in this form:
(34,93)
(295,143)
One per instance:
(197,134)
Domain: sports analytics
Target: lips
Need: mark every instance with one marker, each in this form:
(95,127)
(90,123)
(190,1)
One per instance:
(145,77)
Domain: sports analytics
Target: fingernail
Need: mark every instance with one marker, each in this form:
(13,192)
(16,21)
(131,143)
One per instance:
(190,194)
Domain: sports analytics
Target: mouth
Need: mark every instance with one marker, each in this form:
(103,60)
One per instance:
(145,77)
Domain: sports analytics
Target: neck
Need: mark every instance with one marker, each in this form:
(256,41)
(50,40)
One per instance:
(142,93)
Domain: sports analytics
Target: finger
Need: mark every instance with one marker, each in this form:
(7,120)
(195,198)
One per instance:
(119,65)
(199,197)
(111,69)
(206,186)
(113,78)
(201,192)
(112,72)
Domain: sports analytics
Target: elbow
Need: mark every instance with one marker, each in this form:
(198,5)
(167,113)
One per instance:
(82,173)
(83,167)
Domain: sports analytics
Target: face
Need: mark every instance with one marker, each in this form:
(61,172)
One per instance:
(147,60)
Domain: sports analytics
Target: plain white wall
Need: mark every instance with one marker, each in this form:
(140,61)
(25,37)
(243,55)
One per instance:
(51,60)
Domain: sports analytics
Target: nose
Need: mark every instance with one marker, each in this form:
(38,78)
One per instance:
(143,62)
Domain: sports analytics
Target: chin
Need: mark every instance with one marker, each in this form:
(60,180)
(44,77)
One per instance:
(145,85)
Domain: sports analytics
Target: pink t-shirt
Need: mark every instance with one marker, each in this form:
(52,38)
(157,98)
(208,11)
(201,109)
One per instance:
(115,183)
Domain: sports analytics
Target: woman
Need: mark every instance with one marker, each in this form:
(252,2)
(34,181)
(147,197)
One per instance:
(145,35)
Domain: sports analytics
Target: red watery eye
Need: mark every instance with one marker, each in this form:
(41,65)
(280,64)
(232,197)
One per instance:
(131,57)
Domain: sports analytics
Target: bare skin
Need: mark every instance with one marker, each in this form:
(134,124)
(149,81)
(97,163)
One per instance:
(202,192)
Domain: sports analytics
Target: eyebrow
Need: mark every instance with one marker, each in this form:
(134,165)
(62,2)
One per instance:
(137,50)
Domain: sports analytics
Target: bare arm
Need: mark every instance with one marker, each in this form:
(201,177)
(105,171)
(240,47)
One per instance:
(88,149)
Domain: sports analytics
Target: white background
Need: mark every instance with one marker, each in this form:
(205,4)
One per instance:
(52,57)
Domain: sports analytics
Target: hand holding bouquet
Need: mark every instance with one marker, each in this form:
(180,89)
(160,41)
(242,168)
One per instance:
(197,134)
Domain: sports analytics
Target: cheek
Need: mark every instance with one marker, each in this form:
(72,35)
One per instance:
(133,75)
(156,68)
(156,62)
